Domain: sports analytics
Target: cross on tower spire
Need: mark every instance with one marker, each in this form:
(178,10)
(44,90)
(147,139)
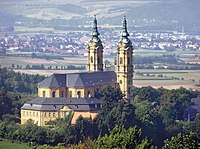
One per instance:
(95,32)
(125,32)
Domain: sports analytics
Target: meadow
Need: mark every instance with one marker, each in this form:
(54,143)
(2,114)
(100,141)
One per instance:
(9,145)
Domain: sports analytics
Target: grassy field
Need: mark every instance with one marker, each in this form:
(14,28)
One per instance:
(170,78)
(9,145)
(7,61)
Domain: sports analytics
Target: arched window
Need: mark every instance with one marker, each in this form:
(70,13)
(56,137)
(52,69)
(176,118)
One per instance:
(120,81)
(65,113)
(43,94)
(53,94)
(62,94)
(70,94)
(91,59)
(88,94)
(121,60)
(97,93)
(78,94)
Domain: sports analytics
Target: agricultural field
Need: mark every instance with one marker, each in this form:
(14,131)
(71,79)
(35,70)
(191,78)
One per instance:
(7,61)
(167,78)
(142,77)
(45,72)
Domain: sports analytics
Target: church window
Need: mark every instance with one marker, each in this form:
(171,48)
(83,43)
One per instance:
(121,60)
(120,81)
(49,114)
(45,114)
(91,59)
(37,114)
(98,60)
(33,114)
(24,113)
(53,114)
(62,93)
(43,94)
(96,105)
(78,94)
(65,114)
(88,95)
(58,114)
(53,94)
(70,94)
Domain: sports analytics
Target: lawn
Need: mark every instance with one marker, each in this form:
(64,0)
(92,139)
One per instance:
(9,145)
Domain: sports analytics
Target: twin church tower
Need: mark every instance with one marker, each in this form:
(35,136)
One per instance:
(60,94)
(124,66)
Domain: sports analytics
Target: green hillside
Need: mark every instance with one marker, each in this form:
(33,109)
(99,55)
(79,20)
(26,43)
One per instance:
(144,14)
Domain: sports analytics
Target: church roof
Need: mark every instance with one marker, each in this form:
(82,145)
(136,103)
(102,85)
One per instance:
(81,79)
(55,104)
(55,80)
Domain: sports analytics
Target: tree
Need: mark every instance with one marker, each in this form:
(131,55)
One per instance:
(110,97)
(146,93)
(173,104)
(150,121)
(83,129)
(189,141)
(119,137)
(5,103)
(31,133)
(195,125)
(2,130)
(122,114)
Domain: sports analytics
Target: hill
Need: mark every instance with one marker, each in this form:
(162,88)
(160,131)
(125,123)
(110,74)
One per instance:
(143,14)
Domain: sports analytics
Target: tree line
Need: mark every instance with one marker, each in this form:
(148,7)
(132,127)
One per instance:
(19,82)
(153,118)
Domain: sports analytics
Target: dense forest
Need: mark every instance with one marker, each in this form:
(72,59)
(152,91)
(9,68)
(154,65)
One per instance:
(17,82)
(154,118)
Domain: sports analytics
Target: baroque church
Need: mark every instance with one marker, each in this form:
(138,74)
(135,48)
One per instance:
(61,94)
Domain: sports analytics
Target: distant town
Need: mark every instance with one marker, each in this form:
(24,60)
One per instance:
(75,43)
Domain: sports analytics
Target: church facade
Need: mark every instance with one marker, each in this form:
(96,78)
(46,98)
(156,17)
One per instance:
(61,94)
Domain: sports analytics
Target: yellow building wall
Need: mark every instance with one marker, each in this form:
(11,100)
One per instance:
(49,92)
(125,68)
(30,114)
(93,55)
(74,92)
(41,118)
(122,79)
(84,115)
